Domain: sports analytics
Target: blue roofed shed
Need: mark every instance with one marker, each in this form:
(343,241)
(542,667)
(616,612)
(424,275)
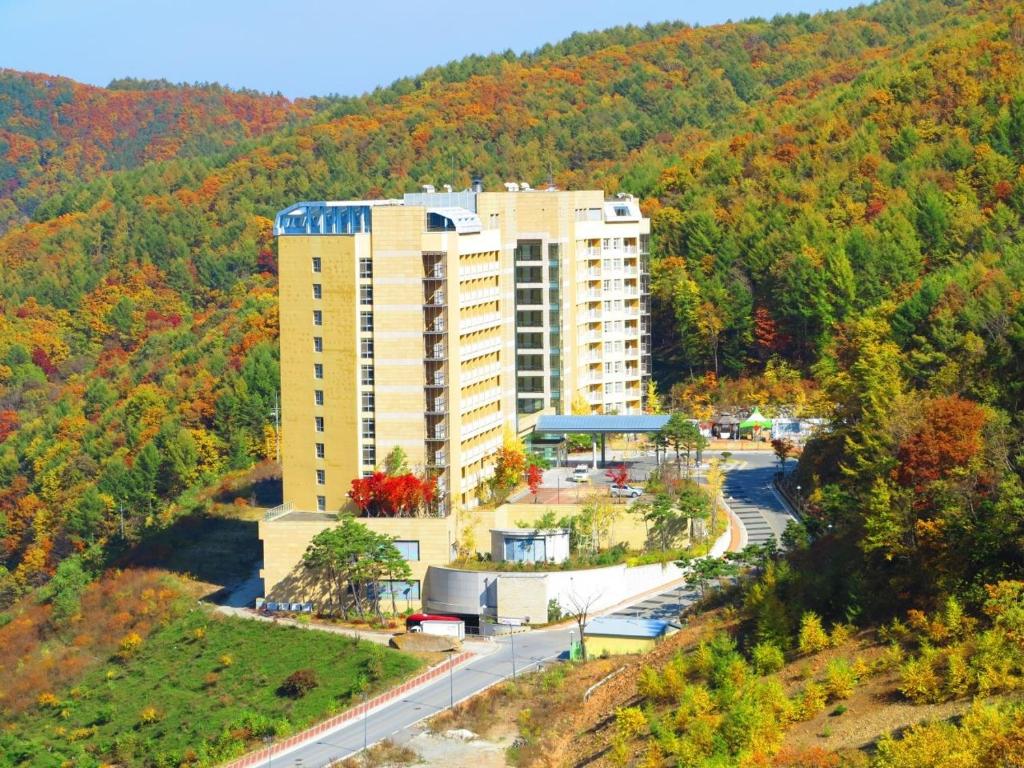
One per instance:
(613,636)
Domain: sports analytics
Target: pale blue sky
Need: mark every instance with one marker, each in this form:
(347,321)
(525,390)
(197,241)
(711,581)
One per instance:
(306,48)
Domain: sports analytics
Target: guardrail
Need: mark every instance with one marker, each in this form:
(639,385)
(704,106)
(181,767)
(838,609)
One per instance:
(275,512)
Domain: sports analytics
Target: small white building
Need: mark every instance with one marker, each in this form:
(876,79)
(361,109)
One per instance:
(530,545)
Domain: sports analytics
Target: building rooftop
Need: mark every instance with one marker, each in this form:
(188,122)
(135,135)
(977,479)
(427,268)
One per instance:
(644,628)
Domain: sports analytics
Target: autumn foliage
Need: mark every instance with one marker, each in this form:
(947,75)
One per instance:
(383,495)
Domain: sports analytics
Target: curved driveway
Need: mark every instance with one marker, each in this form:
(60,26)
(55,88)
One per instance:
(747,490)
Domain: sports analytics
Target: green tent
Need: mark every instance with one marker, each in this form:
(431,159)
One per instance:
(756,421)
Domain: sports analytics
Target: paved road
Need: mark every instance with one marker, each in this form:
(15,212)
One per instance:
(531,649)
(749,494)
(749,485)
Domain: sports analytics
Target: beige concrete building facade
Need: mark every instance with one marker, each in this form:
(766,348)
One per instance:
(439,323)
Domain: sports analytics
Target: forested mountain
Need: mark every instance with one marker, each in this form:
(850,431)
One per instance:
(54,131)
(810,178)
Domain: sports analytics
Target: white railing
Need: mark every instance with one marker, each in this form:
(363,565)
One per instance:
(483,296)
(475,271)
(481,322)
(275,512)
(481,399)
(479,426)
(477,375)
(479,349)
(477,453)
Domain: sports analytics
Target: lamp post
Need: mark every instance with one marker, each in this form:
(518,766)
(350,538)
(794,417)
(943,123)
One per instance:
(512,638)
(268,740)
(571,635)
(365,710)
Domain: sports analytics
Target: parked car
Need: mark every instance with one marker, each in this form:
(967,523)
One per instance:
(581,474)
(628,491)
(412,623)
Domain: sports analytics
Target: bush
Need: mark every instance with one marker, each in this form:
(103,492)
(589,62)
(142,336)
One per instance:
(554,610)
(767,658)
(812,701)
(840,634)
(919,680)
(839,679)
(813,637)
(148,715)
(630,722)
(298,684)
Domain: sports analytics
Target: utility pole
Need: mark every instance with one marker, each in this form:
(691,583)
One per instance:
(451,683)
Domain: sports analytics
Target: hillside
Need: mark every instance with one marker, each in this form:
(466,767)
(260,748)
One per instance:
(801,171)
(55,132)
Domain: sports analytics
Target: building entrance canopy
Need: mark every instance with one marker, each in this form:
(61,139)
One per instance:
(600,425)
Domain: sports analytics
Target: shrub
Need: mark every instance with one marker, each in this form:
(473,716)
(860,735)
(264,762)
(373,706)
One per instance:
(812,701)
(298,683)
(630,722)
(767,658)
(919,681)
(839,679)
(554,610)
(198,633)
(48,701)
(225,659)
(840,634)
(129,645)
(148,715)
(813,637)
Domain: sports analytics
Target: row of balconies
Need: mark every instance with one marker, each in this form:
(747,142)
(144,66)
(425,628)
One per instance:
(478,374)
(480,399)
(475,271)
(481,296)
(479,348)
(484,449)
(478,426)
(480,322)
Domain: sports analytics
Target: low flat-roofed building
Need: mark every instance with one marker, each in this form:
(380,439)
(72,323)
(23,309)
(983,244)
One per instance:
(530,545)
(614,636)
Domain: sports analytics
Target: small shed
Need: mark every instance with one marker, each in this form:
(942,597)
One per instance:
(725,427)
(530,545)
(614,636)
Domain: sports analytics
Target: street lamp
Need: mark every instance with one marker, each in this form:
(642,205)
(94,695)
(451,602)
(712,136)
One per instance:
(512,638)
(268,740)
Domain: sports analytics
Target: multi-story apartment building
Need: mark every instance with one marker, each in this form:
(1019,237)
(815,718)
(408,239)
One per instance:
(442,321)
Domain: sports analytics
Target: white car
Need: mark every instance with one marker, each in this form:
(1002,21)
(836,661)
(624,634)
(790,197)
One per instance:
(626,490)
(580,474)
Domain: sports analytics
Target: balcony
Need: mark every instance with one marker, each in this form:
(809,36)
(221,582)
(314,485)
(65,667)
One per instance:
(481,373)
(435,299)
(476,271)
(480,399)
(482,450)
(480,322)
(475,298)
(479,349)
(479,426)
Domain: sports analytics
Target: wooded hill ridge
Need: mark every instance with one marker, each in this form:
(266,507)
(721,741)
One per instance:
(814,181)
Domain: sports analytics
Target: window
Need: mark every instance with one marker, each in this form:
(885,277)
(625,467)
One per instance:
(318,343)
(318,317)
(532,550)
(317,264)
(402,590)
(321,503)
(369,401)
(367,375)
(366,348)
(369,429)
(320,450)
(365,294)
(410,550)
(369,455)
(321,477)
(318,370)
(318,291)
(318,396)
(319,421)
(366,322)
(365,267)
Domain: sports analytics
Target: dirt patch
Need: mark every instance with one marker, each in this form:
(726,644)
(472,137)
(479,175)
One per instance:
(461,749)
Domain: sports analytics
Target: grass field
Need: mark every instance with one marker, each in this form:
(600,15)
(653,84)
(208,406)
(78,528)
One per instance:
(196,691)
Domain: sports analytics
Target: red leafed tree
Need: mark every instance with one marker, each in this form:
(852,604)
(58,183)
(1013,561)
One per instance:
(381,495)
(618,475)
(534,475)
(8,423)
(765,331)
(40,358)
(949,438)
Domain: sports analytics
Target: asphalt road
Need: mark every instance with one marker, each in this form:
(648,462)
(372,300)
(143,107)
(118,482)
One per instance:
(748,492)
